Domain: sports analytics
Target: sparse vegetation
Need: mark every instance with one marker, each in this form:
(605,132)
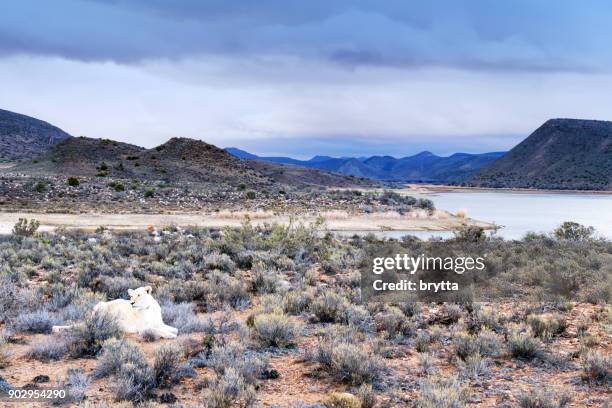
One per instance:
(250,302)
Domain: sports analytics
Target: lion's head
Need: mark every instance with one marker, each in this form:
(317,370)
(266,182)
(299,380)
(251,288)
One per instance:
(141,298)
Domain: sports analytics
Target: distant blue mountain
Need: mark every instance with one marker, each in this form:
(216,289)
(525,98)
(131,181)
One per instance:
(423,167)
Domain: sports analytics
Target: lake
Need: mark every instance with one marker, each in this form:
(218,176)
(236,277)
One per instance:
(520,212)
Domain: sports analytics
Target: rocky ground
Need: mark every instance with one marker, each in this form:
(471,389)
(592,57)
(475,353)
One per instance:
(110,195)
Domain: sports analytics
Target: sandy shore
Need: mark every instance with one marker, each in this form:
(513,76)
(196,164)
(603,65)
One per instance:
(442,221)
(437,188)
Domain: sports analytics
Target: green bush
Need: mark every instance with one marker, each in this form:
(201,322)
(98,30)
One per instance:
(73,181)
(572,231)
(251,195)
(40,187)
(149,192)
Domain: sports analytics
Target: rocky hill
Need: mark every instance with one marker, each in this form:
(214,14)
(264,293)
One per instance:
(178,160)
(561,154)
(23,137)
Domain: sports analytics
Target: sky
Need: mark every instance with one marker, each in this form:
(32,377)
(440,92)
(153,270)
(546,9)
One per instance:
(299,78)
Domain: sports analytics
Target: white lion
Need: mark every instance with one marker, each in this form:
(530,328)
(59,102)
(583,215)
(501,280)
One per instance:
(140,314)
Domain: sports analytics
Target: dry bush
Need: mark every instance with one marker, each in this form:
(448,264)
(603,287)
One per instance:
(87,339)
(597,367)
(348,362)
(229,390)
(441,392)
(542,398)
(545,327)
(47,349)
(524,345)
(275,330)
(114,354)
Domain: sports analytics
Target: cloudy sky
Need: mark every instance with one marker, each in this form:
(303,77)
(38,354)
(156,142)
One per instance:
(308,77)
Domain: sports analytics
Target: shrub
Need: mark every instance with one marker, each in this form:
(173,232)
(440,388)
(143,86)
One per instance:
(486,343)
(118,187)
(40,321)
(86,340)
(410,309)
(441,393)
(450,313)
(225,391)
(73,181)
(342,400)
(275,330)
(470,234)
(596,367)
(348,363)
(166,365)
(426,363)
(366,396)
(76,384)
(296,302)
(182,316)
(475,366)
(546,327)
(394,322)
(248,364)
(251,195)
(421,343)
(50,348)
(328,307)
(5,353)
(149,192)
(538,398)
(24,229)
(572,231)
(523,345)
(40,187)
(134,383)
(114,354)
(425,204)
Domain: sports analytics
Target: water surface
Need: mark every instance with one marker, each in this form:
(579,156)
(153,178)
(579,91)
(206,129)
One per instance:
(520,212)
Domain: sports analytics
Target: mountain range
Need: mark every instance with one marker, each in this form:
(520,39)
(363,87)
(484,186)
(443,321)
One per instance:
(560,154)
(422,167)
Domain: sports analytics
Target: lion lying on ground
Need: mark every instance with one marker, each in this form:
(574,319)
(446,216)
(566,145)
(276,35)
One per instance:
(140,314)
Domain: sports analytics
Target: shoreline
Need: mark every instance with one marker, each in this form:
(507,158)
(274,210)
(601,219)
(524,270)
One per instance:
(365,223)
(447,188)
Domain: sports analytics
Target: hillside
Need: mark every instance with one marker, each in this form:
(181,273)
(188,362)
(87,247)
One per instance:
(561,154)
(23,137)
(178,160)
(425,166)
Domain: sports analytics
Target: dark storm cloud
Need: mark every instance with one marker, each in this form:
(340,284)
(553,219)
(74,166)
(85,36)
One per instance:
(481,35)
